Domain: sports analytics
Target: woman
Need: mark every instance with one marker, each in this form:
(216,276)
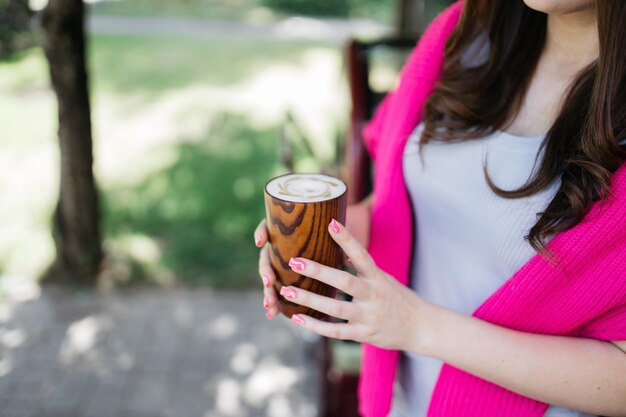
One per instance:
(497,249)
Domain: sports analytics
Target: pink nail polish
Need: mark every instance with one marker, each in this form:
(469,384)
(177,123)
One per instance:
(335,226)
(297,264)
(268,315)
(297,319)
(288,292)
(266,281)
(265,303)
(257,239)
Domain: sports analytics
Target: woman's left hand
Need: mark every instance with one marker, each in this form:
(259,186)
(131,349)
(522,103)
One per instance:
(383,312)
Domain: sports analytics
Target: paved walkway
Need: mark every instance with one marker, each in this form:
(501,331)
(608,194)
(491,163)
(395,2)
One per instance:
(151,353)
(334,30)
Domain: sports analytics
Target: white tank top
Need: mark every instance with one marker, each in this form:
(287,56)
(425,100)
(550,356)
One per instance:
(468,240)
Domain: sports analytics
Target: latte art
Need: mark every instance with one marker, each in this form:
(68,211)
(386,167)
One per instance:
(301,188)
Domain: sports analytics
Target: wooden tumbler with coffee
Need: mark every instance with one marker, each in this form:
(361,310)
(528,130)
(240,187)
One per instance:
(299,208)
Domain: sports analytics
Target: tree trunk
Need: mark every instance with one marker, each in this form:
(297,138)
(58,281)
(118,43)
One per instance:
(76,228)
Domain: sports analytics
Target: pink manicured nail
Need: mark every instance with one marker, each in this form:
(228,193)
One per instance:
(288,292)
(266,281)
(297,264)
(257,239)
(335,226)
(268,315)
(297,319)
(265,302)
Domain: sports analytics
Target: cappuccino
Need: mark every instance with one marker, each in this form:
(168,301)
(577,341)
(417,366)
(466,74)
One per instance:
(305,188)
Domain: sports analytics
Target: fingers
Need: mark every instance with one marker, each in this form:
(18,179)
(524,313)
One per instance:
(336,308)
(265,268)
(270,303)
(272,312)
(270,299)
(359,256)
(345,331)
(260,234)
(341,280)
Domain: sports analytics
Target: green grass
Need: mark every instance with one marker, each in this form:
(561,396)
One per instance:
(159,63)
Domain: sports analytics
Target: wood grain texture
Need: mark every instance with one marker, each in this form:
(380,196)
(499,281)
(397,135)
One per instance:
(301,230)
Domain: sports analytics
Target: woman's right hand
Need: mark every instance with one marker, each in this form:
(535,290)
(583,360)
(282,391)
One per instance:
(358,224)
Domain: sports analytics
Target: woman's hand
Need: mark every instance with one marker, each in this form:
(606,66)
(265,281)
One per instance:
(358,223)
(382,312)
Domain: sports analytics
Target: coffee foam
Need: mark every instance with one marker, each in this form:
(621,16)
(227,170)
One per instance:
(305,188)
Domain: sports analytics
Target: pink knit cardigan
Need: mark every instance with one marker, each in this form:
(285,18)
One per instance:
(584,297)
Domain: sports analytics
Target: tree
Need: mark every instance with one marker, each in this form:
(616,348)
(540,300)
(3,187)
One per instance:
(76,227)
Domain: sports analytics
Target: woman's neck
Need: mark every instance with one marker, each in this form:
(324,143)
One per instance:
(571,45)
(572,39)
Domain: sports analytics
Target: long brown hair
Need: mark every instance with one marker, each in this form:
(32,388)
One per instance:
(470,102)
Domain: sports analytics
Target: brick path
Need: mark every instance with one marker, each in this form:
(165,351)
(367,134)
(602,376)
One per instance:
(152,352)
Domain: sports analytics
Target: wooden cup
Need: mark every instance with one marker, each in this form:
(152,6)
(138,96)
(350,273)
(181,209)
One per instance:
(301,230)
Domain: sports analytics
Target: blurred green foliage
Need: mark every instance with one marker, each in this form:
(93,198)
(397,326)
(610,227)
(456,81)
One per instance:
(14,26)
(202,209)
(189,219)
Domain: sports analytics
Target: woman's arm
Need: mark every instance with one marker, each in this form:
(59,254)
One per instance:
(583,374)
